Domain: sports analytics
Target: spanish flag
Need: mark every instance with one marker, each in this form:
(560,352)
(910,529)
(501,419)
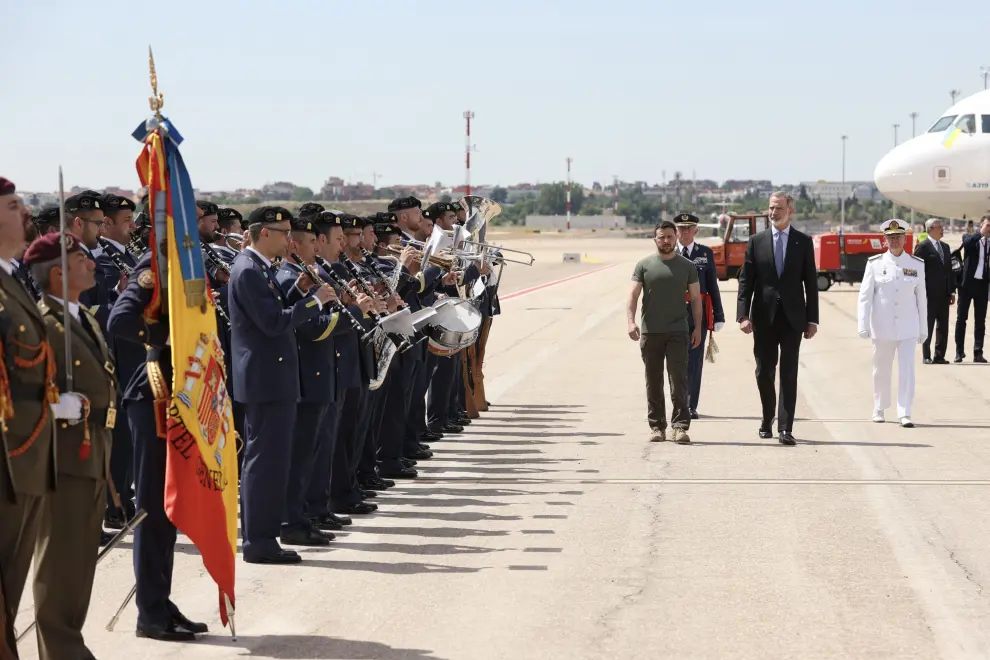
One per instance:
(201,474)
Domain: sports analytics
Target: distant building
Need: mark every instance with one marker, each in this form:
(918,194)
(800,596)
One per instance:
(577,222)
(831,191)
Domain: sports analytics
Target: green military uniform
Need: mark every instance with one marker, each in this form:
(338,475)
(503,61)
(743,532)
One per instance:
(27,459)
(69,539)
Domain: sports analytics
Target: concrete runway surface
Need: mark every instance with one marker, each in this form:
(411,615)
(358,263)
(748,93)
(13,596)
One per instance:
(552,528)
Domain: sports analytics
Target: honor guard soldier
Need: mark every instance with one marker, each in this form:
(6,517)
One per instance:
(135,318)
(27,388)
(229,222)
(893,312)
(712,316)
(266,377)
(65,563)
(84,218)
(113,260)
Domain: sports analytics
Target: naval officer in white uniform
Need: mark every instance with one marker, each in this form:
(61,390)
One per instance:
(893,312)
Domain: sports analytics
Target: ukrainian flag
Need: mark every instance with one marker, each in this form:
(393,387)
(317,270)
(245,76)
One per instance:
(950,136)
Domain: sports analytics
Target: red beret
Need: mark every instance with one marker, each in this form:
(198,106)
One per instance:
(47,248)
(7,186)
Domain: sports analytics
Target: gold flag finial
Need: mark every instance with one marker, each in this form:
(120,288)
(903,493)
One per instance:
(156,100)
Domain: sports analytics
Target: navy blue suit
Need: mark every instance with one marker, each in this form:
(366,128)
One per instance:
(704,261)
(318,383)
(154,538)
(972,290)
(266,380)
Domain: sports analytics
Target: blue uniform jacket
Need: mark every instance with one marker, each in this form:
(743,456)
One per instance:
(704,261)
(317,354)
(127,324)
(361,353)
(263,340)
(128,356)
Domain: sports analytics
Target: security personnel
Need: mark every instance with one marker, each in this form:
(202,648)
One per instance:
(65,562)
(318,385)
(893,311)
(145,400)
(128,356)
(27,382)
(266,377)
(713,317)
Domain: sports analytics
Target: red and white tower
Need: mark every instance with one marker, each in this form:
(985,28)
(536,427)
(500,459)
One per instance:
(468,116)
(569,161)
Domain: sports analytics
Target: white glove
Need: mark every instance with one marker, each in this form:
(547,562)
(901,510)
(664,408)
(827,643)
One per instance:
(864,334)
(718,325)
(69,406)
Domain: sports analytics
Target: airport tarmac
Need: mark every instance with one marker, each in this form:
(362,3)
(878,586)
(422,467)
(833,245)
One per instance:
(552,528)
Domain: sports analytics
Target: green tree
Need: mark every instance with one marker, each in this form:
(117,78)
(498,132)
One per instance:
(553,198)
(302,194)
(500,195)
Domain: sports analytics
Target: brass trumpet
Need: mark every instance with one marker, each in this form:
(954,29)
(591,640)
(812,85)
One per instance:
(442,261)
(232,240)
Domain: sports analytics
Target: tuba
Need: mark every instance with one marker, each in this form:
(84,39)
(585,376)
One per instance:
(384,347)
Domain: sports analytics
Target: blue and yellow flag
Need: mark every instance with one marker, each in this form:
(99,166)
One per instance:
(201,474)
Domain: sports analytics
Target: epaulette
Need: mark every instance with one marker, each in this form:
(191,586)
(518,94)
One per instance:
(876,256)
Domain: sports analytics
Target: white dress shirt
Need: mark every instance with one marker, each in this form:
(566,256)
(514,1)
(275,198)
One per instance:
(7,267)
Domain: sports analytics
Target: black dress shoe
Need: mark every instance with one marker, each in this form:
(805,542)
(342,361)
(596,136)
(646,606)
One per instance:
(359,509)
(694,414)
(765,433)
(463,421)
(958,359)
(939,360)
(169,633)
(786,438)
(306,537)
(281,556)
(453,428)
(388,482)
(407,462)
(400,473)
(418,454)
(432,436)
(367,494)
(323,523)
(980,359)
(373,484)
(113,521)
(184,623)
(105,537)
(423,446)
(927,361)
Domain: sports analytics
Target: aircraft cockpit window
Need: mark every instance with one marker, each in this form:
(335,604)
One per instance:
(942,124)
(986,124)
(966,124)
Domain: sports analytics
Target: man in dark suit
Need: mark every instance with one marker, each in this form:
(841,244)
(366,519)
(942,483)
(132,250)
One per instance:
(712,316)
(266,378)
(940,289)
(974,289)
(778,304)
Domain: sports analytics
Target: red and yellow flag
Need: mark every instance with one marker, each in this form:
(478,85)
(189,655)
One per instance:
(201,490)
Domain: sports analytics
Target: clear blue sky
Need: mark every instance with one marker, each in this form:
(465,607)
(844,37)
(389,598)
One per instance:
(299,90)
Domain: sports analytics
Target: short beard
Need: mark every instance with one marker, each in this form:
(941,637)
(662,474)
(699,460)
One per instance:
(665,250)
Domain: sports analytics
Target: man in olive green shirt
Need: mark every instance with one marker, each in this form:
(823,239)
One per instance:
(665,280)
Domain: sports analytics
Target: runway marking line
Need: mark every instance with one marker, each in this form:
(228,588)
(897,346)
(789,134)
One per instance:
(718,482)
(516,294)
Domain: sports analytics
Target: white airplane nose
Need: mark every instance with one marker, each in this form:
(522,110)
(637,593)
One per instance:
(897,174)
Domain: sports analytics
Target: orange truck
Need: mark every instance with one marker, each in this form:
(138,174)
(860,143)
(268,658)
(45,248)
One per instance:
(839,257)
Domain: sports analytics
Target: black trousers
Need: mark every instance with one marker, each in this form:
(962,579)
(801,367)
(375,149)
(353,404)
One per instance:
(154,538)
(441,393)
(354,415)
(696,363)
(305,448)
(778,342)
(365,464)
(670,349)
(416,415)
(977,295)
(938,313)
(318,491)
(270,427)
(397,402)
(122,466)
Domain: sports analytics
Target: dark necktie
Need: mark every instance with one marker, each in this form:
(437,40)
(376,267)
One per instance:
(684,251)
(986,259)
(938,248)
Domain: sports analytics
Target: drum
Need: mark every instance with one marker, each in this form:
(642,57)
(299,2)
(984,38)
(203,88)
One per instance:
(454,327)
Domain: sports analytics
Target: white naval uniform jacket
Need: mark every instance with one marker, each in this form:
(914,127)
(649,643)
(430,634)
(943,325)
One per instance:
(892,301)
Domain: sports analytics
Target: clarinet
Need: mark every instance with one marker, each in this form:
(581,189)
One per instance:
(215,260)
(336,304)
(339,281)
(222,314)
(111,251)
(370,262)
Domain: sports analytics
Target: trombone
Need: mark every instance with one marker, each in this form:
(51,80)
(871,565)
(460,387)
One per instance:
(494,254)
(228,237)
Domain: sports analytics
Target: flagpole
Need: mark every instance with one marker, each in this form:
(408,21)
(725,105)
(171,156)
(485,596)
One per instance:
(65,282)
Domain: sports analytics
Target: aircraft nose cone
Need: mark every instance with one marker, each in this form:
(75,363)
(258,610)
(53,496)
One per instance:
(896,175)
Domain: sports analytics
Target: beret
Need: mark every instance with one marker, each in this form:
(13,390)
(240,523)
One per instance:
(403,203)
(385,216)
(304,224)
(208,208)
(110,203)
(686,220)
(84,201)
(310,208)
(7,186)
(227,213)
(49,248)
(47,215)
(383,229)
(437,209)
(327,219)
(268,215)
(349,221)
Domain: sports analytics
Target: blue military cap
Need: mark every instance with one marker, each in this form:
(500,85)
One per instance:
(269,215)
(385,229)
(686,220)
(111,203)
(304,224)
(350,221)
(437,209)
(87,200)
(327,219)
(233,215)
(208,208)
(404,203)
(310,209)
(47,216)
